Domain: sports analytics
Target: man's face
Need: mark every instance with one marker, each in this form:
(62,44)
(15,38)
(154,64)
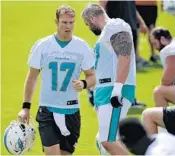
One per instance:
(156,43)
(93,28)
(65,25)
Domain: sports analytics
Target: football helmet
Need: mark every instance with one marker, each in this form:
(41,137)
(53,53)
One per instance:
(19,137)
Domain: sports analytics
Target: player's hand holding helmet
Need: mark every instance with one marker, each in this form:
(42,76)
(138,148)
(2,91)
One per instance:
(24,115)
(116,96)
(19,137)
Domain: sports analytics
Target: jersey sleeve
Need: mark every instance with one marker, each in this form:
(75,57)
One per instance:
(34,59)
(170,51)
(88,58)
(115,26)
(167,51)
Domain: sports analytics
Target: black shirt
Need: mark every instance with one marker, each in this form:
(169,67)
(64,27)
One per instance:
(125,10)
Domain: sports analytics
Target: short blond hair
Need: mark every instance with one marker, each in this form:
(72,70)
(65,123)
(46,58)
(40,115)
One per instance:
(64,10)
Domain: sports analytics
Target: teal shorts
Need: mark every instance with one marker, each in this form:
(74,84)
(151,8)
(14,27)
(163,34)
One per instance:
(102,95)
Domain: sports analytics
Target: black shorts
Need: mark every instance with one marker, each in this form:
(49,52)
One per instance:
(149,15)
(50,133)
(169,119)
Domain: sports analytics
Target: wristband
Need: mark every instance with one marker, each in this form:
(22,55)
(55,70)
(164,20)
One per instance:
(26,105)
(84,84)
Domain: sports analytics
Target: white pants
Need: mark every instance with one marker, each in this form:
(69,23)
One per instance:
(108,119)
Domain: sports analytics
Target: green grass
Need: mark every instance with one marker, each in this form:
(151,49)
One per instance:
(25,22)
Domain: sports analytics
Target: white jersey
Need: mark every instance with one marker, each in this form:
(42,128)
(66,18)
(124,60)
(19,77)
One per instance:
(163,145)
(59,67)
(106,58)
(169,50)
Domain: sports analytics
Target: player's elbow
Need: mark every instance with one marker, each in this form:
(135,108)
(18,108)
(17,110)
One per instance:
(91,80)
(125,60)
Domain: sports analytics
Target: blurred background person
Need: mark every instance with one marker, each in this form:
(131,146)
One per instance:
(144,143)
(162,40)
(168,6)
(159,116)
(148,11)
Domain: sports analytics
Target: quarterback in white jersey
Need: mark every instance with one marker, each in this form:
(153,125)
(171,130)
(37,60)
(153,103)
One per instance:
(115,74)
(60,66)
(60,58)
(165,93)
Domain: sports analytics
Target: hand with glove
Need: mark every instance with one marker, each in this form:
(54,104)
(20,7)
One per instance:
(116,96)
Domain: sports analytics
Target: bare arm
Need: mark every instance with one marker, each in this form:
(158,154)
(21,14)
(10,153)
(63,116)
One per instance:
(90,78)
(142,25)
(103,3)
(139,18)
(30,84)
(169,73)
(122,45)
(89,81)
(29,87)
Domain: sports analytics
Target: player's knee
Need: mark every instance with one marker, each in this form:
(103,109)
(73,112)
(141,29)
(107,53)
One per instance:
(147,115)
(157,91)
(52,150)
(159,94)
(160,90)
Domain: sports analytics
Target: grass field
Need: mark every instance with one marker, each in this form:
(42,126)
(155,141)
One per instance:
(25,22)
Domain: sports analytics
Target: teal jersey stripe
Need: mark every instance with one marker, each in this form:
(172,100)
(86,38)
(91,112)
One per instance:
(61,43)
(97,52)
(63,110)
(114,124)
(102,95)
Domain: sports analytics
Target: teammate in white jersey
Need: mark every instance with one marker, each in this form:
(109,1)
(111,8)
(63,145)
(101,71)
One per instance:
(165,93)
(163,41)
(60,58)
(115,74)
